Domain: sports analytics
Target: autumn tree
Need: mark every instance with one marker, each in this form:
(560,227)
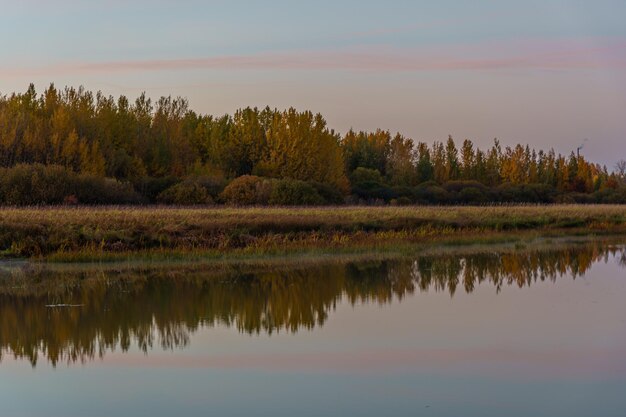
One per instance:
(139,141)
(468,160)
(452,160)
(424,168)
(440,172)
(400,167)
(366,150)
(246,144)
(301,147)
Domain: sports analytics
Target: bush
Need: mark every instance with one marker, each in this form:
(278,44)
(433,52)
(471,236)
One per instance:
(430,183)
(431,193)
(404,192)
(368,185)
(373,192)
(611,196)
(542,193)
(361,175)
(564,199)
(329,194)
(247,190)
(213,185)
(525,193)
(401,201)
(38,184)
(508,193)
(582,198)
(458,186)
(98,190)
(289,192)
(472,196)
(185,193)
(194,190)
(35,184)
(150,187)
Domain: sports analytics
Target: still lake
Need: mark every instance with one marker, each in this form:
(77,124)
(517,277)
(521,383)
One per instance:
(482,331)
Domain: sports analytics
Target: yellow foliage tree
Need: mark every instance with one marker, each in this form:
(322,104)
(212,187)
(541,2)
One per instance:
(300,146)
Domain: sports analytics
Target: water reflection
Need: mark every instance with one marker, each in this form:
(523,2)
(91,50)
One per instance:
(76,316)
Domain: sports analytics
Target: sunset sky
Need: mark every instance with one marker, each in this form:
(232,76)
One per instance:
(547,73)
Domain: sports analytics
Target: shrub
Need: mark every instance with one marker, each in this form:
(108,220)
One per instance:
(471,196)
(213,185)
(91,189)
(404,192)
(431,193)
(38,184)
(611,196)
(524,193)
(430,183)
(368,185)
(565,199)
(289,192)
(373,191)
(401,201)
(458,186)
(185,193)
(247,190)
(329,193)
(362,175)
(194,190)
(35,184)
(150,187)
(581,198)
(508,193)
(542,192)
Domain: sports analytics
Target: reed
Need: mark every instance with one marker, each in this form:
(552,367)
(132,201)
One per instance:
(80,233)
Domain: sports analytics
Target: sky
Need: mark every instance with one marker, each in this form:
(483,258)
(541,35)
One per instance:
(548,73)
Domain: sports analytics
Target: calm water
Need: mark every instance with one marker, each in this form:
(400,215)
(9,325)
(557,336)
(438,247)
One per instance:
(535,331)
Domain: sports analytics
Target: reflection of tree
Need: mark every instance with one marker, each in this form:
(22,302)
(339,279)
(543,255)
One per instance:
(519,268)
(163,307)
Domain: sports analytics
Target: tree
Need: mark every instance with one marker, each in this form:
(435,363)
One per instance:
(439,163)
(493,167)
(246,144)
(452,160)
(400,162)
(166,143)
(620,170)
(366,150)
(468,160)
(301,147)
(425,171)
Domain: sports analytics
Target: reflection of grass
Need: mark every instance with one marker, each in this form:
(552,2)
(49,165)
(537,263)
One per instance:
(183,263)
(153,233)
(365,250)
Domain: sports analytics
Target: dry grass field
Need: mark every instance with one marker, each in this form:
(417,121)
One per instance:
(59,232)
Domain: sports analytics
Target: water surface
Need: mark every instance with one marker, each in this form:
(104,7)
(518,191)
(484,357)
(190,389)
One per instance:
(516,331)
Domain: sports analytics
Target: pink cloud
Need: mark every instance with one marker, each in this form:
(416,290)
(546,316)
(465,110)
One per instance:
(525,55)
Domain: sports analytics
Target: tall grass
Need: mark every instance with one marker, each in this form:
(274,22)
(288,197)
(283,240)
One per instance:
(41,232)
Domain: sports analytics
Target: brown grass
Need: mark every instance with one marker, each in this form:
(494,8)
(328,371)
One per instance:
(61,231)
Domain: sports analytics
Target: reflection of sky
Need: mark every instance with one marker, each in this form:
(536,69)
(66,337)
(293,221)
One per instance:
(548,349)
(549,73)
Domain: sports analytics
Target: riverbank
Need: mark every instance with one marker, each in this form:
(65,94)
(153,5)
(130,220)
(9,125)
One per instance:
(81,234)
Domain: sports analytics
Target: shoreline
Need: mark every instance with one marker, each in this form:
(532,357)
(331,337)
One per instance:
(154,234)
(524,245)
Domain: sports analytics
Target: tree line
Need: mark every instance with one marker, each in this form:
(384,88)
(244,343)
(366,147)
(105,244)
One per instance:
(162,151)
